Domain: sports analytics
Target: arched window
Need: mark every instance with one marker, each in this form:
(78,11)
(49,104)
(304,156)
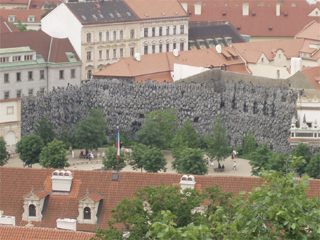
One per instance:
(89,74)
(86,213)
(32,210)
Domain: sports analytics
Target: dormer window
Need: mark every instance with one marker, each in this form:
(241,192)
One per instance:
(87,213)
(12,18)
(89,208)
(33,205)
(31,18)
(32,210)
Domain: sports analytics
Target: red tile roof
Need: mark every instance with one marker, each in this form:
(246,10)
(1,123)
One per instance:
(22,14)
(40,193)
(262,20)
(40,42)
(150,9)
(15,233)
(6,27)
(310,31)
(23,2)
(313,74)
(95,196)
(17,182)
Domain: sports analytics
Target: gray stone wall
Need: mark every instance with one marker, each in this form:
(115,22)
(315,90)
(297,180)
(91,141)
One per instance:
(243,106)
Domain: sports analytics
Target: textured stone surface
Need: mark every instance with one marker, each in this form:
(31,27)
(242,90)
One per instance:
(243,106)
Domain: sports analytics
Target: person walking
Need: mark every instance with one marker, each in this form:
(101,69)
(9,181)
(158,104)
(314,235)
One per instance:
(234,166)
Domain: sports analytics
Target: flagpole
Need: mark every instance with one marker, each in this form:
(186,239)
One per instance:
(118,138)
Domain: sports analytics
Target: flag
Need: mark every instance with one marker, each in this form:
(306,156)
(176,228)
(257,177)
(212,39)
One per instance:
(118,145)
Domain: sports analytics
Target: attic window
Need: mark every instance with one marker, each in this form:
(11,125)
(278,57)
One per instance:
(115,177)
(94,16)
(32,210)
(224,13)
(111,15)
(293,5)
(270,27)
(253,13)
(118,14)
(129,14)
(86,213)
(285,13)
(83,17)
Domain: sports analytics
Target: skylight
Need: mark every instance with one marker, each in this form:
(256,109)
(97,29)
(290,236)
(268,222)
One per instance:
(118,14)
(83,17)
(94,16)
(101,15)
(111,15)
(129,14)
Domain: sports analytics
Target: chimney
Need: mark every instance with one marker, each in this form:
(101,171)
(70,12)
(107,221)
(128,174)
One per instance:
(197,8)
(218,48)
(296,65)
(67,223)
(61,181)
(7,220)
(137,57)
(187,182)
(176,52)
(245,9)
(278,9)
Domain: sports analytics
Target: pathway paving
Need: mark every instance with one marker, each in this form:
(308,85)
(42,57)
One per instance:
(243,167)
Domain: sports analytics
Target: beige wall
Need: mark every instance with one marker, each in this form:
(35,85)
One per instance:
(126,43)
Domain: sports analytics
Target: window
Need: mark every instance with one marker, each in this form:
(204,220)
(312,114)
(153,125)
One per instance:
(145,49)
(181,29)
(174,46)
(107,54)
(146,32)
(41,74)
(168,30)
(73,73)
(278,73)
(121,52)
(30,76)
(86,213)
(41,91)
(6,78)
(30,92)
(114,35)
(114,53)
(32,210)
(88,37)
(89,74)
(88,56)
(160,48)
(6,95)
(61,72)
(153,48)
(132,33)
(160,31)
(18,93)
(4,59)
(31,18)
(12,18)
(167,47)
(100,36)
(121,35)
(132,52)
(182,46)
(28,57)
(18,76)
(100,54)
(174,30)
(107,36)
(153,32)
(16,58)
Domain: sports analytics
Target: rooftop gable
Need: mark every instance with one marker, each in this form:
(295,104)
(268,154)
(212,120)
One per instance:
(310,31)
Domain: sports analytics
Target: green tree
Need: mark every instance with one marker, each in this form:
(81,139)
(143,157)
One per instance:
(66,139)
(3,152)
(29,147)
(54,155)
(110,161)
(135,157)
(150,135)
(277,162)
(250,143)
(167,122)
(153,160)
(44,129)
(279,209)
(313,168)
(302,150)
(90,133)
(191,161)
(259,159)
(48,7)
(20,26)
(218,146)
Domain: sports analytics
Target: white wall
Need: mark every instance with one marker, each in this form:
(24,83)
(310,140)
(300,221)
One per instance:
(61,23)
(269,71)
(183,71)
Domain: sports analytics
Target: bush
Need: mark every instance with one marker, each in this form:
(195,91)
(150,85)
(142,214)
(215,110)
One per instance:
(239,150)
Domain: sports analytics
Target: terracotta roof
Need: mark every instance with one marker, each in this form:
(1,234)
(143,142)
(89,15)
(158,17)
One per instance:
(7,27)
(313,75)
(95,196)
(20,2)
(16,182)
(157,77)
(39,41)
(262,20)
(40,193)
(14,233)
(310,31)
(22,14)
(102,12)
(162,63)
(150,9)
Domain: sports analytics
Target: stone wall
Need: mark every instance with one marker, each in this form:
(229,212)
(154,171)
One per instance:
(243,105)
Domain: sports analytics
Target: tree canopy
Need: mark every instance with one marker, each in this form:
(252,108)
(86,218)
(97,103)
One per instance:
(3,152)
(150,135)
(153,160)
(313,168)
(54,155)
(90,133)
(110,161)
(44,129)
(250,143)
(29,147)
(302,150)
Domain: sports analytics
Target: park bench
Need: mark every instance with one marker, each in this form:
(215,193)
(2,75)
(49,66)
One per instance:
(218,169)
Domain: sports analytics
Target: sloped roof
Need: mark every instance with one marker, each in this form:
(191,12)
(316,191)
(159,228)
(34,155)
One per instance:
(23,2)
(150,9)
(23,14)
(102,12)
(310,31)
(39,41)
(16,182)
(262,20)
(313,74)
(7,27)
(39,3)
(14,233)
